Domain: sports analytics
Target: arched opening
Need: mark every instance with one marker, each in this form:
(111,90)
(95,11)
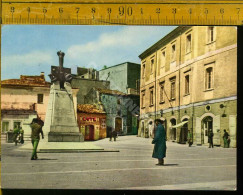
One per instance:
(172,130)
(165,126)
(184,132)
(118,125)
(207,124)
(142,129)
(151,130)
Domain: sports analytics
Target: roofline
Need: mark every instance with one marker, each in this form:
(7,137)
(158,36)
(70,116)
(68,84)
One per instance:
(119,65)
(21,86)
(167,38)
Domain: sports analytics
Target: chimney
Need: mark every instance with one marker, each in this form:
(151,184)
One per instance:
(42,74)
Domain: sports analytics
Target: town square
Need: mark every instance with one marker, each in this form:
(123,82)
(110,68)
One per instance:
(112,108)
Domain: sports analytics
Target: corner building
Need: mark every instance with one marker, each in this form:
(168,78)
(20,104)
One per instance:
(189,80)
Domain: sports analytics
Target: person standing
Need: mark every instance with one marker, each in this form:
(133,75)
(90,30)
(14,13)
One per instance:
(16,132)
(21,131)
(210,138)
(36,128)
(114,134)
(226,139)
(159,142)
(189,138)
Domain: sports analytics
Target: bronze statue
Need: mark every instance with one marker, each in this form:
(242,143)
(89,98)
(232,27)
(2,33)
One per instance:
(59,73)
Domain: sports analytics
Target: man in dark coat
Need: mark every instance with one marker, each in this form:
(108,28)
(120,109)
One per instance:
(210,138)
(226,139)
(159,142)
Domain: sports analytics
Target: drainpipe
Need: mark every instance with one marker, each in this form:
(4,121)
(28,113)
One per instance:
(179,86)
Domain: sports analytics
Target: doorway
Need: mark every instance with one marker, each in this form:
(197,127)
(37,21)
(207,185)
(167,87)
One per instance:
(89,132)
(173,130)
(207,123)
(118,125)
(184,132)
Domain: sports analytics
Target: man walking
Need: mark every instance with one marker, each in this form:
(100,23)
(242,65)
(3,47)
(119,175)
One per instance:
(36,127)
(226,139)
(159,142)
(210,138)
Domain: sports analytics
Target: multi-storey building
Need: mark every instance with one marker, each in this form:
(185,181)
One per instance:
(123,77)
(189,80)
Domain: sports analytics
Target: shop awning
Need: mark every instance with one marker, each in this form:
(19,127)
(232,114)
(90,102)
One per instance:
(180,124)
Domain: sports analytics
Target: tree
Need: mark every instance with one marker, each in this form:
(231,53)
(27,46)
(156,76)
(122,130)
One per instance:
(105,67)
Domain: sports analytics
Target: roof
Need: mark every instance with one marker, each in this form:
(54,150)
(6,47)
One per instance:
(89,108)
(25,80)
(165,40)
(109,91)
(120,65)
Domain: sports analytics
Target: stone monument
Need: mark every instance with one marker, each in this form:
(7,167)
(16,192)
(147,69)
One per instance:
(60,119)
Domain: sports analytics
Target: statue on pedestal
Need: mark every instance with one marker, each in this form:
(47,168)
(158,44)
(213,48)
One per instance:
(60,118)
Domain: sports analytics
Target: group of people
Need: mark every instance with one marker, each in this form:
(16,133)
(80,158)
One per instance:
(18,135)
(36,129)
(159,141)
(112,134)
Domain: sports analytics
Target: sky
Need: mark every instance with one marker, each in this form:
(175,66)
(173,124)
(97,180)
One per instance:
(32,49)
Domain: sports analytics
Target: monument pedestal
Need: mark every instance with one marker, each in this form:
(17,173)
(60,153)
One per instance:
(65,137)
(60,119)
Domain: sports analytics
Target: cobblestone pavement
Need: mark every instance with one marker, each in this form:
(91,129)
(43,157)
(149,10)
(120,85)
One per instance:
(186,168)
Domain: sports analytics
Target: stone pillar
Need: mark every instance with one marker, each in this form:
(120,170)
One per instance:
(232,130)
(61,122)
(198,135)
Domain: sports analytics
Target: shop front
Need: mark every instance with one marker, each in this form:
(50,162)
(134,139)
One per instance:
(91,122)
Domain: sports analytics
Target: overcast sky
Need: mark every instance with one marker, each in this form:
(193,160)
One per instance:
(31,49)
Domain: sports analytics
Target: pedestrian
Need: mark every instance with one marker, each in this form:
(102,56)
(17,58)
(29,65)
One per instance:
(21,131)
(114,134)
(226,139)
(16,132)
(210,138)
(159,142)
(189,138)
(36,128)
(110,133)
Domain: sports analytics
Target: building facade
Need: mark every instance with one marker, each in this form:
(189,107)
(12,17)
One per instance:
(91,122)
(121,109)
(22,100)
(85,80)
(123,77)
(189,80)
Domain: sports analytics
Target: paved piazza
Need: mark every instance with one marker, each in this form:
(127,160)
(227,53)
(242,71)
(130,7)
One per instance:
(187,168)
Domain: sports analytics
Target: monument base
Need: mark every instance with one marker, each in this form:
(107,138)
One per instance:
(65,137)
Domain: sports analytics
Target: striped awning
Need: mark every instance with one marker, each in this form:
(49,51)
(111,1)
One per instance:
(179,125)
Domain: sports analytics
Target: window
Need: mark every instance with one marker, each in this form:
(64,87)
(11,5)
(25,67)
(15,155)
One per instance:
(173,53)
(209,78)
(17,124)
(210,34)
(40,98)
(163,59)
(143,70)
(151,102)
(161,94)
(173,89)
(143,99)
(152,66)
(5,126)
(188,43)
(187,84)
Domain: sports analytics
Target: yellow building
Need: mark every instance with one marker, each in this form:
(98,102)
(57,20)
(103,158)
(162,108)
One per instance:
(189,80)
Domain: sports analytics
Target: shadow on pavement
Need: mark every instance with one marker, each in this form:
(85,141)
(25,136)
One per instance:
(170,165)
(46,159)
